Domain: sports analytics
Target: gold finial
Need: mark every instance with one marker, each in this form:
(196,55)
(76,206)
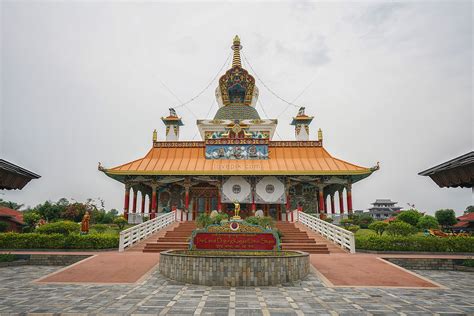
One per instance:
(320,135)
(236,47)
(236,39)
(155,136)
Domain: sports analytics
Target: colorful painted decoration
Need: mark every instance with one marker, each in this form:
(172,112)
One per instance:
(236,152)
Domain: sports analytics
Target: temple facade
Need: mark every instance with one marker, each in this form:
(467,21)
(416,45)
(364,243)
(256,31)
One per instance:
(237,160)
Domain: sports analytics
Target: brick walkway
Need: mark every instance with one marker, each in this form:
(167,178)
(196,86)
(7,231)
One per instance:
(157,295)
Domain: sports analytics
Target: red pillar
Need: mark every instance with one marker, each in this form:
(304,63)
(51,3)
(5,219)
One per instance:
(219,205)
(349,199)
(254,206)
(153,202)
(149,204)
(126,202)
(143,203)
(333,209)
(321,201)
(134,205)
(341,203)
(186,199)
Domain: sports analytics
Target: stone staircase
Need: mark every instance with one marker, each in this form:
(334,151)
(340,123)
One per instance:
(176,238)
(296,239)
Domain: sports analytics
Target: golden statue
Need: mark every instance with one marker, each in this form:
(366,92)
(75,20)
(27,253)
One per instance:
(236,210)
(85,223)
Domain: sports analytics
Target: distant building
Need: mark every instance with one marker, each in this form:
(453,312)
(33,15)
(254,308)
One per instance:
(13,218)
(383,209)
(465,223)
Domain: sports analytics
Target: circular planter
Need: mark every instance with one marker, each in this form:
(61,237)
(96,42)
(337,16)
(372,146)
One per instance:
(235,270)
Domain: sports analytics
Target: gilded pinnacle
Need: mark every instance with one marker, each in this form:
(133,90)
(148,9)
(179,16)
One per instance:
(236,47)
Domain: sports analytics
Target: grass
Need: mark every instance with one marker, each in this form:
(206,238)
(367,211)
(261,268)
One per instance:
(111,229)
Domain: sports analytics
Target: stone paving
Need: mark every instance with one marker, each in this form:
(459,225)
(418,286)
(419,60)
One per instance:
(157,295)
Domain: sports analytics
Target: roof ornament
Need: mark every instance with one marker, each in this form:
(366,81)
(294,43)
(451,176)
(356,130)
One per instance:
(236,47)
(155,136)
(173,112)
(301,111)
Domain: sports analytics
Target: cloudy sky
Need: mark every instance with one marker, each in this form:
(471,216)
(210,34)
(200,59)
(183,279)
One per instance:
(87,81)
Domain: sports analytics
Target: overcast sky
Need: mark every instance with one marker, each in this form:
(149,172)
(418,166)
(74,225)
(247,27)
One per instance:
(84,82)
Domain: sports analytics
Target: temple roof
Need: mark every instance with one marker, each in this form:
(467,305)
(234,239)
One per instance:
(241,112)
(13,177)
(187,158)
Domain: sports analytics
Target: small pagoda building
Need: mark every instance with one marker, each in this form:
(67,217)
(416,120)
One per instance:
(383,209)
(237,160)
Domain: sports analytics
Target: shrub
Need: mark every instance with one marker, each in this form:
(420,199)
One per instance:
(446,217)
(328,219)
(353,228)
(58,241)
(427,222)
(415,243)
(468,263)
(265,221)
(346,222)
(363,220)
(6,257)
(3,227)
(203,220)
(120,222)
(379,227)
(410,217)
(31,218)
(100,228)
(62,227)
(399,228)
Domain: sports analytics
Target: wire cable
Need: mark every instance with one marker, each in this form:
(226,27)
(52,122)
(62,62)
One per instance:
(267,87)
(208,85)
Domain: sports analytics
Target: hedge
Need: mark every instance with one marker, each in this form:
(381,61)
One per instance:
(58,241)
(416,243)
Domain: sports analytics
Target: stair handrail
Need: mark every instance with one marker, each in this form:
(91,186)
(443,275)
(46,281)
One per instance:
(133,235)
(331,232)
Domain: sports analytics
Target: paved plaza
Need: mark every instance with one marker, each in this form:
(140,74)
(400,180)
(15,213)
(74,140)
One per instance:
(157,295)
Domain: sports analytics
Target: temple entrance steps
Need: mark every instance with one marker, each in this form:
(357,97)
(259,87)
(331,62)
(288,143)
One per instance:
(297,237)
(176,238)
(332,247)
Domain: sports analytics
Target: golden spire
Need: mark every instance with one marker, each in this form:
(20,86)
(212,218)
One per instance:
(320,135)
(155,136)
(236,47)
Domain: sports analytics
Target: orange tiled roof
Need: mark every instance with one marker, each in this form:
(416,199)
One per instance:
(187,158)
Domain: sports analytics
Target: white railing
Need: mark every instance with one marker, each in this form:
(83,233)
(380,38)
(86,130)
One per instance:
(331,232)
(132,235)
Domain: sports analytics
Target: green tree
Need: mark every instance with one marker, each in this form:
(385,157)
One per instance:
(410,217)
(446,217)
(120,222)
(363,220)
(346,222)
(31,218)
(469,209)
(427,222)
(399,228)
(50,211)
(379,227)
(11,204)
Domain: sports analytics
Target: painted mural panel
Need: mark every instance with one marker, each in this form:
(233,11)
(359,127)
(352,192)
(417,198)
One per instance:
(236,152)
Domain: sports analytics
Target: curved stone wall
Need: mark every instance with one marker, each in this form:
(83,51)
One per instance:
(234,271)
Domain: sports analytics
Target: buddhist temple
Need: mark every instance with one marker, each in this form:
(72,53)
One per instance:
(237,160)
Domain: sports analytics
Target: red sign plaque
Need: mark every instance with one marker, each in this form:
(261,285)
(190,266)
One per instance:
(235,241)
